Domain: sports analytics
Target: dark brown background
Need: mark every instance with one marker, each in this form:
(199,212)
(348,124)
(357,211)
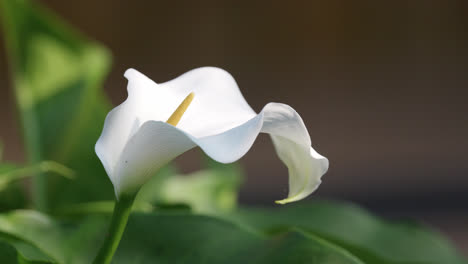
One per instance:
(381,86)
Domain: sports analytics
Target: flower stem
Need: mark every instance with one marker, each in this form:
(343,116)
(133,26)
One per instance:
(122,210)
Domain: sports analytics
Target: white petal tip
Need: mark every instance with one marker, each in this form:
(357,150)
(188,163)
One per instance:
(281,202)
(134,75)
(285,201)
(130,72)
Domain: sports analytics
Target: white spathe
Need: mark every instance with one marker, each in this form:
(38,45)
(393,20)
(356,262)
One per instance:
(136,141)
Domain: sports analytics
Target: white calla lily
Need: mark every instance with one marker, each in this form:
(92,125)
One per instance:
(136,140)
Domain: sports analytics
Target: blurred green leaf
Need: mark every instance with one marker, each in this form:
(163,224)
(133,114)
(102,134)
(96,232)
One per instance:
(17,251)
(185,238)
(169,238)
(9,255)
(99,207)
(320,232)
(149,191)
(209,191)
(212,191)
(369,238)
(57,74)
(38,237)
(35,236)
(13,197)
(10,173)
(11,192)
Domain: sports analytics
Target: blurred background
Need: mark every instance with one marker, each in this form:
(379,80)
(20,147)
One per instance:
(381,86)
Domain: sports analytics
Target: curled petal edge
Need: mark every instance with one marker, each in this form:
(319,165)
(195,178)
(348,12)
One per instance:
(142,155)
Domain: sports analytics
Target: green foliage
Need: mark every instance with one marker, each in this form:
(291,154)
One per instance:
(319,232)
(177,238)
(57,74)
(9,255)
(11,193)
(210,240)
(209,191)
(370,239)
(10,173)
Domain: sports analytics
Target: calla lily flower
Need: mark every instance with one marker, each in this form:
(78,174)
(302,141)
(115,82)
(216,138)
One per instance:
(144,133)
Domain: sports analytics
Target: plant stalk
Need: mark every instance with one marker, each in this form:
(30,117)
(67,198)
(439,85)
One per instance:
(122,210)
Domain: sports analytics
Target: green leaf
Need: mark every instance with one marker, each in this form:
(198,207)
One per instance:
(183,238)
(320,232)
(10,173)
(35,236)
(11,192)
(98,207)
(9,255)
(57,74)
(369,238)
(209,191)
(212,191)
(11,195)
(42,238)
(169,238)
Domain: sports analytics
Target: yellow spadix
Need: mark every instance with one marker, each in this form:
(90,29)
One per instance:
(179,112)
